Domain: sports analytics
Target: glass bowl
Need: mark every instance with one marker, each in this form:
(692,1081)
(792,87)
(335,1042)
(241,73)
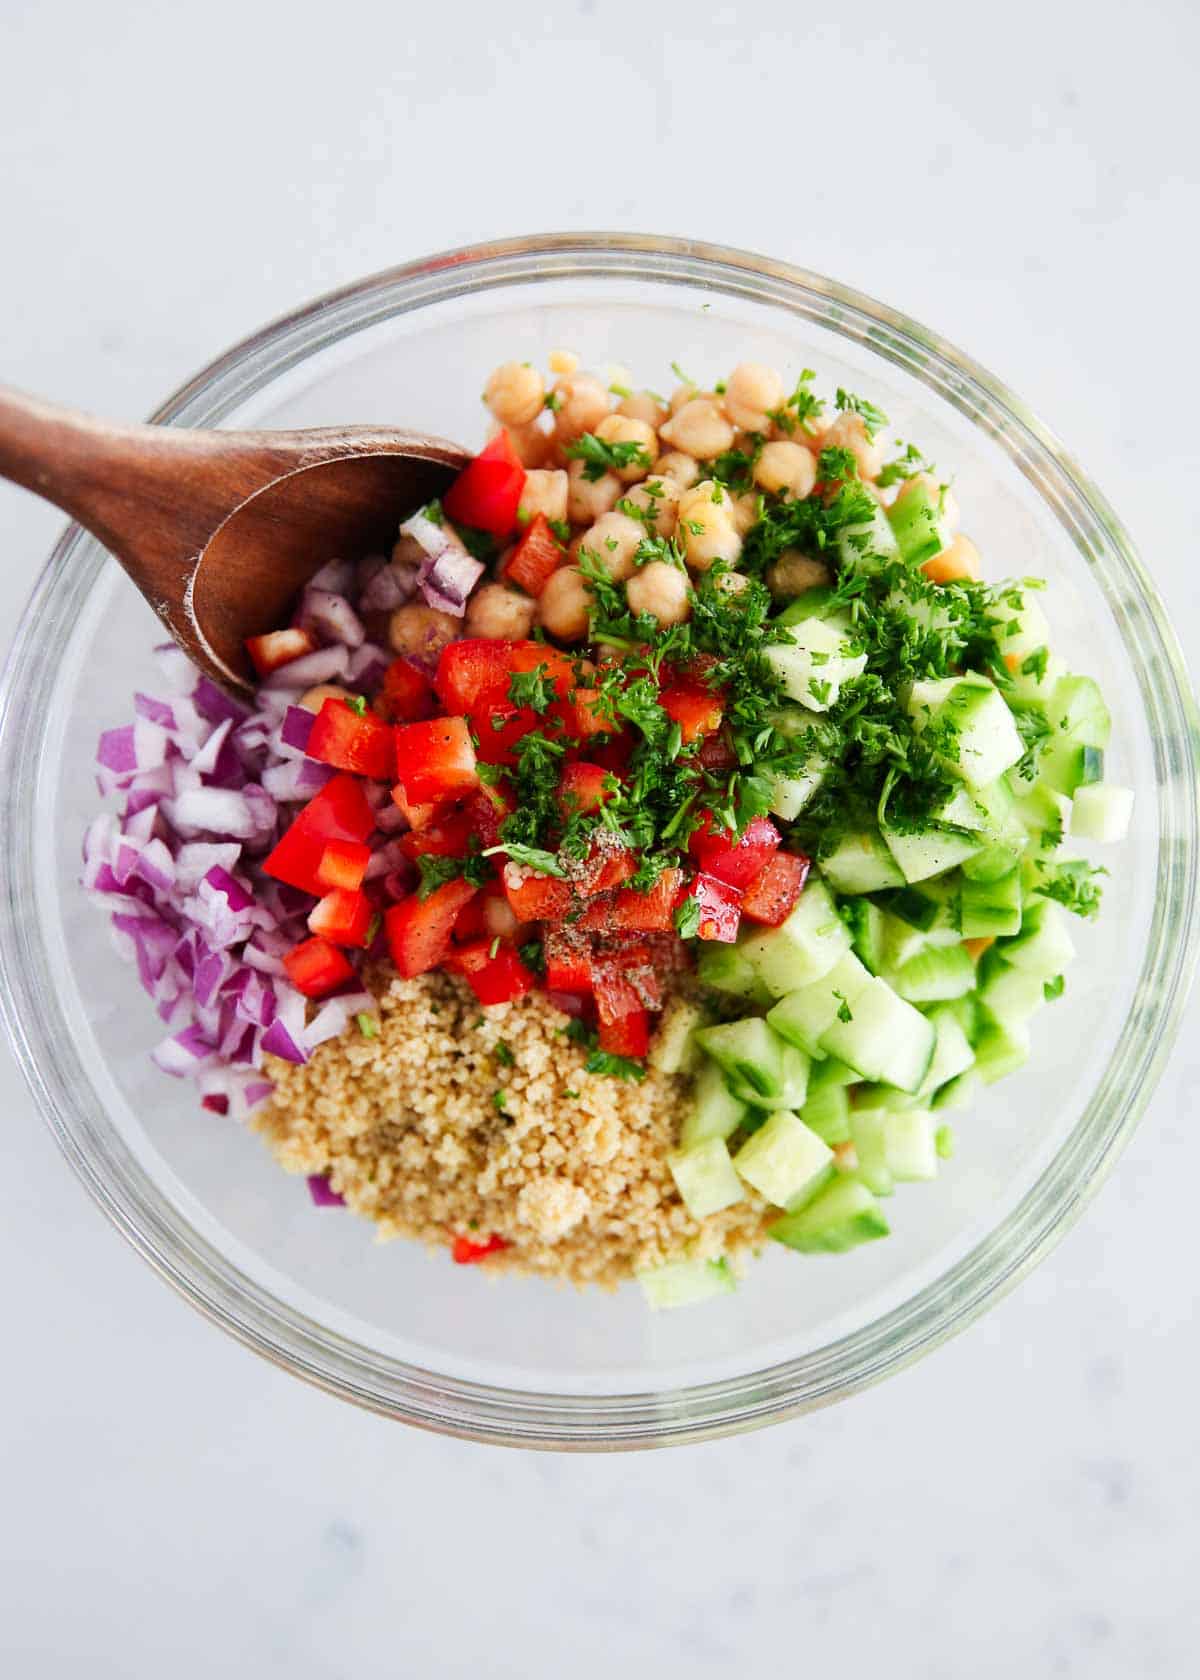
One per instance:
(519,1361)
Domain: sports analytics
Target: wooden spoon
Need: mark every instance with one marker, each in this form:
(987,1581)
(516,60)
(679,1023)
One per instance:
(220,530)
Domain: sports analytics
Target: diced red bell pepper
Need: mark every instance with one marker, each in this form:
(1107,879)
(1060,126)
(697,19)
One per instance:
(696,709)
(582,787)
(419,931)
(627,1036)
(406,695)
(535,898)
(771,896)
(720,908)
(464,1252)
(472,672)
(316,968)
(469,923)
(498,978)
(500,729)
(649,912)
(588,717)
(344,918)
(736,860)
(417,816)
(448,835)
(568,961)
(486,812)
(536,557)
(716,753)
(339,812)
(343,864)
(605,871)
(349,741)
(435,760)
(615,996)
(487,493)
(598,915)
(279,647)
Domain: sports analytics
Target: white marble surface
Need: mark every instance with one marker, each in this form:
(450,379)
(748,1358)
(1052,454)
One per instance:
(1026,1502)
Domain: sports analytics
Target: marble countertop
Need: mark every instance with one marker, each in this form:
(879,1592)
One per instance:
(1026,1501)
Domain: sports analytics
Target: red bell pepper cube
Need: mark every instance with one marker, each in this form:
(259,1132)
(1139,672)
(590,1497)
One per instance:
(487,493)
(535,898)
(583,787)
(615,996)
(501,728)
(472,672)
(343,864)
(729,857)
(447,835)
(464,1252)
(419,931)
(627,1036)
(495,973)
(417,816)
(649,912)
(536,557)
(339,812)
(316,968)
(486,812)
(605,871)
(435,760)
(348,740)
(696,709)
(279,647)
(598,915)
(771,896)
(344,918)
(568,961)
(720,908)
(469,924)
(588,716)
(406,695)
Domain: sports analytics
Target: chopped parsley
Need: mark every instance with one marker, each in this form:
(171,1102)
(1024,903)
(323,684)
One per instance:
(536,858)
(357,704)
(500,1102)
(844,1013)
(367,1025)
(872,418)
(503,1054)
(1072,884)
(687,919)
(616,1067)
(1054,988)
(436,871)
(600,457)
(534,689)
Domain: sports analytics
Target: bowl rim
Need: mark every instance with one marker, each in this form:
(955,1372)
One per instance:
(942,1307)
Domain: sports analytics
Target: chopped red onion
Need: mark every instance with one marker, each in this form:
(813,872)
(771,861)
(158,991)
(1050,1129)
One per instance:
(331,616)
(297,727)
(321,1193)
(338,576)
(325,665)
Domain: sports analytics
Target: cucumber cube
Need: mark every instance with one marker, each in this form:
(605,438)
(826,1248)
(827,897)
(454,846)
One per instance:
(1067,765)
(911,1145)
(715,1111)
(867,546)
(1000,858)
(813,666)
(725,969)
(1000,1047)
(918,523)
(886,1040)
(992,909)
(804,1014)
(866,923)
(935,975)
(868,1132)
(803,948)
(811,603)
(861,863)
(1102,812)
(1021,625)
(674,1050)
(978,738)
(931,851)
(794,1066)
(1011,995)
(962,1092)
(1043,947)
(683,1282)
(790,794)
(749,1052)
(838,1218)
(827,1112)
(828,1074)
(1044,813)
(705,1178)
(1076,709)
(784,1161)
(952,1052)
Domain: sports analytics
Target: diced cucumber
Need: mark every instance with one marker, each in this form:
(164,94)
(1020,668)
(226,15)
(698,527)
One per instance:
(827,1112)
(978,738)
(790,794)
(990,811)
(866,546)
(959,1093)
(1001,1047)
(866,923)
(1077,709)
(794,1066)
(966,1012)
(990,909)
(919,906)
(918,524)
(749,1052)
(935,975)
(803,948)
(1044,814)
(803,1015)
(886,1040)
(868,1133)
(673,1049)
(715,1111)
(683,1282)
(869,1097)
(952,1052)
(784,1161)
(1066,765)
(931,851)
(944,1141)
(813,666)
(840,1217)
(861,863)
(1036,676)
(725,969)
(811,603)
(998,859)
(829,1074)
(1043,947)
(1102,812)
(705,1178)
(1011,995)
(1021,625)
(911,1146)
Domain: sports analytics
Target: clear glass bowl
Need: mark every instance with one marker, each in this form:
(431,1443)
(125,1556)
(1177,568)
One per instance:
(519,1361)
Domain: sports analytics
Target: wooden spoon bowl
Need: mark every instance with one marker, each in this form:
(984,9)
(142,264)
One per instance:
(221,530)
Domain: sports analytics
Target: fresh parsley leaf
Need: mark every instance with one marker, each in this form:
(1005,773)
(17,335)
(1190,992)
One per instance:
(357,704)
(1073,884)
(844,1012)
(435,872)
(536,858)
(600,457)
(1035,664)
(1054,988)
(503,1054)
(532,688)
(687,918)
(367,1025)
(616,1067)
(500,1102)
(533,956)
(872,418)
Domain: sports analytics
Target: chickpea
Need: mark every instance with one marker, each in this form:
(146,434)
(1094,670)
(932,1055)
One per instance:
(752,391)
(616,428)
(684,469)
(786,467)
(532,444)
(706,526)
(794,572)
(563,361)
(498,917)
(421,632)
(642,406)
(657,496)
(315,698)
(700,429)
(745,512)
(941,494)
(613,540)
(514,393)
(545,492)
(588,498)
(731,583)
(849,431)
(682,394)
(564,606)
(583,403)
(499,613)
(660,589)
